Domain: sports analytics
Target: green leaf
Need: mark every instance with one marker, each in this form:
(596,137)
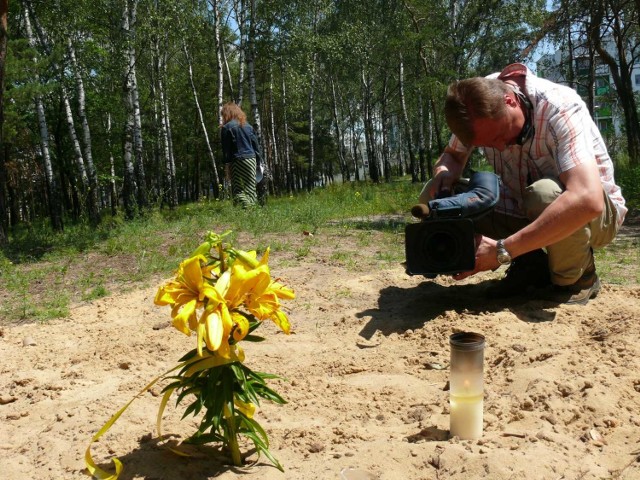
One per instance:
(254,338)
(263,449)
(189,355)
(201,439)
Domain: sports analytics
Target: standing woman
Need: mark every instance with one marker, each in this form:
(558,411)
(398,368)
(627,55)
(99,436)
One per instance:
(241,154)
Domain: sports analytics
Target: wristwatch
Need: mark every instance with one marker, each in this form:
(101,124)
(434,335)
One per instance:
(503,256)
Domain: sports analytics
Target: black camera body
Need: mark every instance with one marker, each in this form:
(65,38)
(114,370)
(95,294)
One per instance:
(436,246)
(444,241)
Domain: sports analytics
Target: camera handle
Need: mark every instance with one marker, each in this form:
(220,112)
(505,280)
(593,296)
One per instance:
(420,211)
(481,196)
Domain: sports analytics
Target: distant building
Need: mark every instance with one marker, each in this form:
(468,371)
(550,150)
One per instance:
(606,113)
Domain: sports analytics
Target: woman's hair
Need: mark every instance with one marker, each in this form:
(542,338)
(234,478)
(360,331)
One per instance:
(231,111)
(470,99)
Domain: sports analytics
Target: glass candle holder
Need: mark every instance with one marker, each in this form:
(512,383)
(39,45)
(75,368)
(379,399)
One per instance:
(466,385)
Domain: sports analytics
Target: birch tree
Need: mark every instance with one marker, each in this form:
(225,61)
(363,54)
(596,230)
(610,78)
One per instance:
(407,125)
(86,132)
(262,187)
(55,206)
(4,223)
(87,195)
(130,186)
(139,169)
(203,125)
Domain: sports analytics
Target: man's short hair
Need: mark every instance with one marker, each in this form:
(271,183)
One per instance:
(470,99)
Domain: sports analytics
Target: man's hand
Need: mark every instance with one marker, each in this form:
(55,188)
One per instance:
(447,171)
(486,257)
(442,184)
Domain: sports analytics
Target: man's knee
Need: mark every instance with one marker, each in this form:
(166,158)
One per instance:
(539,195)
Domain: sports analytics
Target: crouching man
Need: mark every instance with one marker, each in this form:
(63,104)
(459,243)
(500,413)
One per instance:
(558,191)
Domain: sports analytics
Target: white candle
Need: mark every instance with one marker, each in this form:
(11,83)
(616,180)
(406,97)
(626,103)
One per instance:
(466,416)
(466,385)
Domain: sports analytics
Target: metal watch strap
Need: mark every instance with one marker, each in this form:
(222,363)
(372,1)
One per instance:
(503,256)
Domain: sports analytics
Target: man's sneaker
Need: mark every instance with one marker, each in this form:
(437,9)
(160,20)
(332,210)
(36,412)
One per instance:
(526,273)
(578,293)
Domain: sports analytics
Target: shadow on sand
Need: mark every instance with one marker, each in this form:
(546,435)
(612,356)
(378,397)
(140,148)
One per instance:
(153,460)
(401,309)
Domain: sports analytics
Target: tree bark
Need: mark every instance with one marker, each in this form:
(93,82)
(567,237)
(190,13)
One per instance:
(407,126)
(4,219)
(212,158)
(240,8)
(89,202)
(55,206)
(219,61)
(171,194)
(113,192)
(287,143)
(142,196)
(275,153)
(621,73)
(93,205)
(344,171)
(262,187)
(129,186)
(312,155)
(369,134)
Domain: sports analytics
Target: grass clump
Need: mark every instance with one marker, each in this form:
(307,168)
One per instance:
(43,273)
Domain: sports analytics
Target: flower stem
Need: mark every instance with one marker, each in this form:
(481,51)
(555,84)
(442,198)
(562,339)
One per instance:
(232,439)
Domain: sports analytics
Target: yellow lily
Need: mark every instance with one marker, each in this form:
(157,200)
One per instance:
(218,325)
(241,326)
(187,292)
(262,300)
(247,408)
(244,281)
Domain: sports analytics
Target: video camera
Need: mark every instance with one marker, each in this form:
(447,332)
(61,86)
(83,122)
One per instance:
(444,241)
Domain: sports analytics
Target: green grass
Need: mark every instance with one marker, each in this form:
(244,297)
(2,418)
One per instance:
(43,273)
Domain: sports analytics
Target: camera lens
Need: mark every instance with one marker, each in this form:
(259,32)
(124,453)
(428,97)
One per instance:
(440,246)
(443,248)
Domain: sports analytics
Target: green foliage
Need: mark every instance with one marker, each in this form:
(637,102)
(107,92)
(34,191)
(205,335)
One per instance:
(217,392)
(37,265)
(628,178)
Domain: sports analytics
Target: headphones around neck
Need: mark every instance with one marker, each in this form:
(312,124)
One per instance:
(528,130)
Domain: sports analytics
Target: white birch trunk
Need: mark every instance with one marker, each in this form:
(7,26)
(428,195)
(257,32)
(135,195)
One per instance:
(253,97)
(82,113)
(129,191)
(77,150)
(52,186)
(311,123)
(113,192)
(275,160)
(240,8)
(138,150)
(285,121)
(344,171)
(171,194)
(219,60)
(407,125)
(203,125)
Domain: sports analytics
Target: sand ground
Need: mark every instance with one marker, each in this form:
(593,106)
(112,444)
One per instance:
(366,369)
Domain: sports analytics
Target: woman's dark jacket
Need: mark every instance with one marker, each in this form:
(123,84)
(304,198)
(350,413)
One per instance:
(239,142)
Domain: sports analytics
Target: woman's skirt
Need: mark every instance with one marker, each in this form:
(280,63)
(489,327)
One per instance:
(243,182)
